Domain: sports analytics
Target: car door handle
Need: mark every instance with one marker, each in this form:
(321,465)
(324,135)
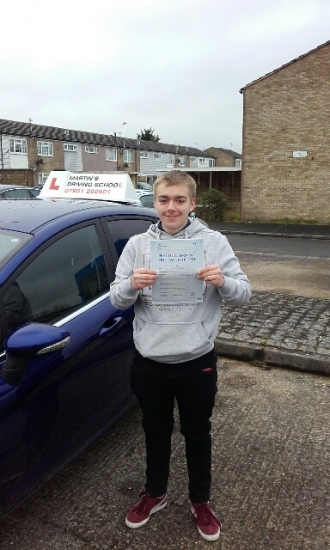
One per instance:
(110,325)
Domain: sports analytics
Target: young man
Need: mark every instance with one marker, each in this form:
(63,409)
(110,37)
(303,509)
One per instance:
(175,357)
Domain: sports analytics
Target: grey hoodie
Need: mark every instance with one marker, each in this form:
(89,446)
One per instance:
(175,333)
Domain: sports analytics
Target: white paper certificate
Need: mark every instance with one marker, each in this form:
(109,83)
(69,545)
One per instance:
(177,262)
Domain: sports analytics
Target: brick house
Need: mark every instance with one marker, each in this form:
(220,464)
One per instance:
(28,152)
(225,157)
(286,141)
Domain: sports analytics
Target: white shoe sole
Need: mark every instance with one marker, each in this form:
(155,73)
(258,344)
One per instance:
(137,525)
(209,538)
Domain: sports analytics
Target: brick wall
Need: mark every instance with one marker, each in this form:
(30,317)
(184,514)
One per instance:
(16,176)
(221,157)
(284,112)
(55,162)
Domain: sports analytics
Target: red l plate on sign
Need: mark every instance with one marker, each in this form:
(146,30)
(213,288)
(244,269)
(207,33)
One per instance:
(53,185)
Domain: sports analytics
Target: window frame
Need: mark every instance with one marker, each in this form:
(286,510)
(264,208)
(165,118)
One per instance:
(128,155)
(91,149)
(42,177)
(172,161)
(109,152)
(16,143)
(71,147)
(45,149)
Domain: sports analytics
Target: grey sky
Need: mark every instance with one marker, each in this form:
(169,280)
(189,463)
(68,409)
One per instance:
(176,66)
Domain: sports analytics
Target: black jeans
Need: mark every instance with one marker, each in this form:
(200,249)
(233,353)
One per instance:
(194,385)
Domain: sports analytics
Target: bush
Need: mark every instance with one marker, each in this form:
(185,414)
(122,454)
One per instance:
(212,205)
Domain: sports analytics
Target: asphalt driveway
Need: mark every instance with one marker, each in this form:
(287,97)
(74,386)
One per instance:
(271,476)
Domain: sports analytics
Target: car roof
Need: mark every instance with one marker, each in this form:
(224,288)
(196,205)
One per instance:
(27,216)
(4,187)
(142,192)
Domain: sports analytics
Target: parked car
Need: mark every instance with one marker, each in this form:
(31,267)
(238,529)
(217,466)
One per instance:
(65,350)
(17,192)
(144,186)
(146,198)
(37,188)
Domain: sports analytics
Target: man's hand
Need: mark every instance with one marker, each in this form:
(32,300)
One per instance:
(142,278)
(212,275)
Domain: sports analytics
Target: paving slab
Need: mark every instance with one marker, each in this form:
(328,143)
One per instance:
(283,330)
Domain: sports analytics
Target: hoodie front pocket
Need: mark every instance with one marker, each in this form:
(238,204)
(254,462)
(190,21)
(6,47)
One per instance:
(163,340)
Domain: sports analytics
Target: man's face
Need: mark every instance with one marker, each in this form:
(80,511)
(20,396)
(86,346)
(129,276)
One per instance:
(173,204)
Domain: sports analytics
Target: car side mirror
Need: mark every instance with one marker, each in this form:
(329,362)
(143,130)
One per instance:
(25,343)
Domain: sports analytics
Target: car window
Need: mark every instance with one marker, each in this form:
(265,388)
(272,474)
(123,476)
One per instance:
(122,230)
(144,185)
(147,200)
(10,243)
(65,276)
(16,194)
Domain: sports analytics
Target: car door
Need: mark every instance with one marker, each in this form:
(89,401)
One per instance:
(66,397)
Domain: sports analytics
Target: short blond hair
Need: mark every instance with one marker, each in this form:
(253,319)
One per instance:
(177,177)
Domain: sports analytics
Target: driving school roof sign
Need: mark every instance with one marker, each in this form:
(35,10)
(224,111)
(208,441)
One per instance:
(87,185)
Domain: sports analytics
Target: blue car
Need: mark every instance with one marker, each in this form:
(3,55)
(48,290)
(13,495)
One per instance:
(65,351)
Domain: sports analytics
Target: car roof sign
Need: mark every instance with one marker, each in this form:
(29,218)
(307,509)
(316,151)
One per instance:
(107,186)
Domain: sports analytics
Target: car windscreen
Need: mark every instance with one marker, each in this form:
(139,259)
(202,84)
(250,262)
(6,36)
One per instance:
(10,243)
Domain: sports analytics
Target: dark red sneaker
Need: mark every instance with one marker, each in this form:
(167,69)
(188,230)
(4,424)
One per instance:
(208,525)
(141,512)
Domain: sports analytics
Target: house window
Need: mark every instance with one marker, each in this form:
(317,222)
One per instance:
(171,161)
(17,145)
(192,159)
(90,149)
(42,176)
(128,155)
(157,156)
(144,154)
(181,161)
(70,147)
(238,163)
(45,148)
(201,161)
(111,154)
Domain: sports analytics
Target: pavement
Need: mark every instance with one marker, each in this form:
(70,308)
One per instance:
(276,230)
(277,329)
